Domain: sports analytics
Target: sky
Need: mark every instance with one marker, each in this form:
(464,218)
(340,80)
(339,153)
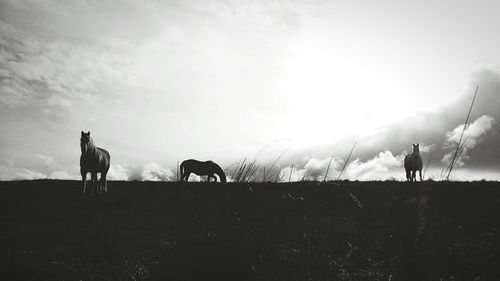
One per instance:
(157,82)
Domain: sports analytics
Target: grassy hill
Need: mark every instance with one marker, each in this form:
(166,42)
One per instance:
(207,231)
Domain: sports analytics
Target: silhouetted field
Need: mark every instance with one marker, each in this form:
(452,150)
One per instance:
(296,231)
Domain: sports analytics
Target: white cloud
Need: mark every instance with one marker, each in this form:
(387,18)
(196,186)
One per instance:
(118,172)
(296,174)
(30,175)
(426,148)
(375,168)
(314,169)
(154,172)
(381,167)
(474,134)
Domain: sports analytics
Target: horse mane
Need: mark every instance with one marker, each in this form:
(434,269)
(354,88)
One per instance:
(92,149)
(92,146)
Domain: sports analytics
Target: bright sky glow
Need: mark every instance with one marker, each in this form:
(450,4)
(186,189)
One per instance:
(158,82)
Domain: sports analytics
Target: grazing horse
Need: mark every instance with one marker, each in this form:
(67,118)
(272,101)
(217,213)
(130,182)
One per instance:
(93,160)
(413,163)
(201,168)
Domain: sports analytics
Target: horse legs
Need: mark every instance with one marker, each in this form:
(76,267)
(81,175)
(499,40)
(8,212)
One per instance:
(408,175)
(210,177)
(420,173)
(104,183)
(98,188)
(413,176)
(94,183)
(185,177)
(84,179)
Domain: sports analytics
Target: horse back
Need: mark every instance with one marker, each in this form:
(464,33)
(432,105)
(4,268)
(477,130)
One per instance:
(200,167)
(104,159)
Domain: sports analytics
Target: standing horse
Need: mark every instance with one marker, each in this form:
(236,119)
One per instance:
(413,163)
(93,160)
(201,168)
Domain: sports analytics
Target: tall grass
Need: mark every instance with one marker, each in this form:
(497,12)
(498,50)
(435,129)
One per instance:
(274,163)
(244,172)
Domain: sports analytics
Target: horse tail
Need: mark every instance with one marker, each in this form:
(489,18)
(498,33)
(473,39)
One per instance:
(108,164)
(182,170)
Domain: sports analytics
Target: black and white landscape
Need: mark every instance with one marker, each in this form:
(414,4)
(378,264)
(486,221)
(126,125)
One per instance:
(310,120)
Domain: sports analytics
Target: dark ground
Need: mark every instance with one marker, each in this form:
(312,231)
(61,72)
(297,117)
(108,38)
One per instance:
(297,231)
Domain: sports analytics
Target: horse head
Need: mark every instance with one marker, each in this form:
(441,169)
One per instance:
(219,172)
(86,141)
(416,148)
(222,177)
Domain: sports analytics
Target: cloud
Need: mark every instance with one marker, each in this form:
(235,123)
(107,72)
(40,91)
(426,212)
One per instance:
(314,169)
(154,172)
(374,168)
(30,175)
(292,173)
(474,134)
(62,175)
(427,148)
(383,166)
(47,160)
(55,73)
(118,172)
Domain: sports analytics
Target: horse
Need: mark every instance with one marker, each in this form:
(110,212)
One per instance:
(93,160)
(201,168)
(413,163)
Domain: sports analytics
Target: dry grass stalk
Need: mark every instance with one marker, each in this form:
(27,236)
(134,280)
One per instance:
(244,172)
(306,175)
(235,171)
(460,151)
(278,176)
(427,166)
(346,161)
(328,168)
(274,163)
(452,164)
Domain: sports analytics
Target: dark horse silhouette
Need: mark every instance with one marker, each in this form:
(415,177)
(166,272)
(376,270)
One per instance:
(93,160)
(413,163)
(201,168)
